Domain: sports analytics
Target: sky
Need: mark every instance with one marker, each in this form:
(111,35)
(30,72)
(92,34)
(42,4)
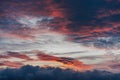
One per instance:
(80,35)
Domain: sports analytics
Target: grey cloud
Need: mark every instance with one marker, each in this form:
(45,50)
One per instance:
(36,73)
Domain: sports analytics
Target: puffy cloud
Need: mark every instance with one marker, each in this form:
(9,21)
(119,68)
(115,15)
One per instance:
(30,72)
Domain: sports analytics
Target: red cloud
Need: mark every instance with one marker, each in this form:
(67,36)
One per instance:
(11,64)
(18,55)
(67,62)
(4,56)
(34,9)
(63,61)
(61,23)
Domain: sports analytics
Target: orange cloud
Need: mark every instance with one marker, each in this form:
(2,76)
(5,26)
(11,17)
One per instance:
(67,62)
(39,58)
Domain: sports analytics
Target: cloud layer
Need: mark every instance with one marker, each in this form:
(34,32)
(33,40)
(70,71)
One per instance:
(16,60)
(36,73)
(86,31)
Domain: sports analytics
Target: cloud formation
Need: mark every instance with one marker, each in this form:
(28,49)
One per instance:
(16,59)
(85,31)
(68,62)
(11,64)
(30,18)
(79,63)
(36,73)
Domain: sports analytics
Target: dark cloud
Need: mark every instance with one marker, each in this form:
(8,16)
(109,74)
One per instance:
(36,73)
(19,55)
(86,19)
(115,65)
(70,53)
(90,57)
(89,20)
(12,11)
(4,56)
(99,42)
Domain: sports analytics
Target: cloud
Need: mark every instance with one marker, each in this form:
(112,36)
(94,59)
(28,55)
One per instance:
(81,18)
(83,22)
(67,62)
(30,72)
(11,64)
(67,26)
(81,62)
(68,16)
(25,16)
(4,56)
(115,66)
(18,59)
(19,55)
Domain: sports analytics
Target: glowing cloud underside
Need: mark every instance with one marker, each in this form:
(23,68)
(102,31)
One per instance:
(65,34)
